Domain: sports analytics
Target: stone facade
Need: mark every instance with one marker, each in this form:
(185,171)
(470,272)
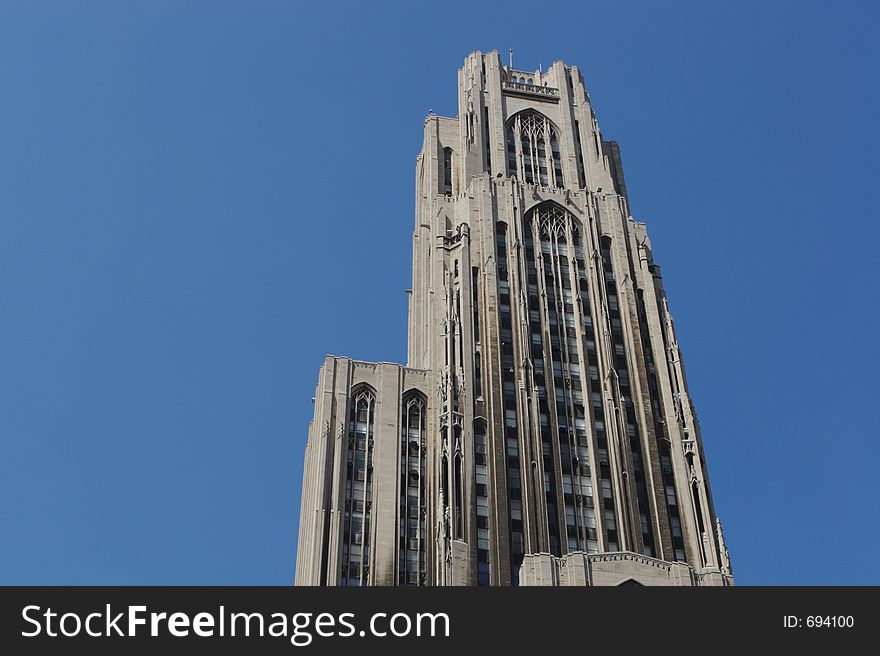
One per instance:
(612,569)
(542,432)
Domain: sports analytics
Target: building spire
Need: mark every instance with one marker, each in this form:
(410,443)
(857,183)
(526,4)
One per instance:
(511,58)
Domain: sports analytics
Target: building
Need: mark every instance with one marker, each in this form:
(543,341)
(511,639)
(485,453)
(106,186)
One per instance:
(541,432)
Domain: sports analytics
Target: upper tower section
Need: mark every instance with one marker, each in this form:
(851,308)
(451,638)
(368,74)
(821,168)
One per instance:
(535,126)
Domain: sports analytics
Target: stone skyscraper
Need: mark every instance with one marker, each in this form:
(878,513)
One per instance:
(541,432)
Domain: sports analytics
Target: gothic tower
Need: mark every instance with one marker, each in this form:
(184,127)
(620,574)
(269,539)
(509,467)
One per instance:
(541,432)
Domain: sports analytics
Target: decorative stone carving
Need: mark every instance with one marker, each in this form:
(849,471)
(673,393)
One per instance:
(722,548)
(627,556)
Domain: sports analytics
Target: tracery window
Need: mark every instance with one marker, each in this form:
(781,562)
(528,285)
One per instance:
(358,489)
(529,136)
(413,452)
(555,265)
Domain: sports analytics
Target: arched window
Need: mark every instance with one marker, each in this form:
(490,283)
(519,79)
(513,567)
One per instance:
(413,453)
(358,488)
(529,136)
(562,358)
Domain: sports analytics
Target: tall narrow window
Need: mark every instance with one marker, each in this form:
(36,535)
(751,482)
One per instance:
(511,421)
(478,376)
(447,171)
(621,365)
(358,489)
(475,294)
(512,162)
(487,139)
(660,431)
(457,496)
(555,266)
(481,478)
(413,451)
(582,178)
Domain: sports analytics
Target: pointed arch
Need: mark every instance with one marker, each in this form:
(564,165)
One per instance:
(355,570)
(561,340)
(530,135)
(551,218)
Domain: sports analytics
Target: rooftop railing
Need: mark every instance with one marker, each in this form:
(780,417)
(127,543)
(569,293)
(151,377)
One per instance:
(523,87)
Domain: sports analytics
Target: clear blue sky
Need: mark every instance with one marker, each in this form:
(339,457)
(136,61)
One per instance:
(199,200)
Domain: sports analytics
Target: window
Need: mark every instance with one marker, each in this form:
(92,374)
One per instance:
(554,234)
(482,500)
(478,376)
(475,294)
(413,535)
(582,179)
(487,139)
(483,576)
(670,495)
(528,135)
(447,171)
(358,487)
